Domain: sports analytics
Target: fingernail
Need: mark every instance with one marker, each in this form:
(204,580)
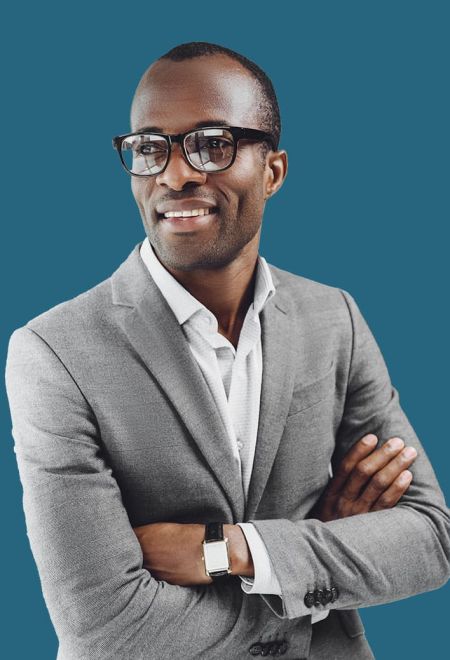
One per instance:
(409,452)
(405,477)
(396,443)
(370,439)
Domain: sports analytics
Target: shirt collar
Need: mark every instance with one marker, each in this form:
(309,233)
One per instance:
(183,303)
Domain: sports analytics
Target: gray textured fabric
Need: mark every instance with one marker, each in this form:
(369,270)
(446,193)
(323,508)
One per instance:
(114,427)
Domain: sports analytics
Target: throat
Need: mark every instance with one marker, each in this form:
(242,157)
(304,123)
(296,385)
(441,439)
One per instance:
(232,331)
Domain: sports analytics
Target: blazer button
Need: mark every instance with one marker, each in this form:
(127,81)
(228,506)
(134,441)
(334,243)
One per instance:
(273,648)
(335,594)
(318,597)
(283,647)
(255,649)
(309,599)
(327,596)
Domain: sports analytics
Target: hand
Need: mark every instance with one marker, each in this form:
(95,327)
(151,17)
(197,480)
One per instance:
(366,480)
(173,552)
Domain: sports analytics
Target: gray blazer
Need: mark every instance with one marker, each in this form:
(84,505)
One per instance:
(114,427)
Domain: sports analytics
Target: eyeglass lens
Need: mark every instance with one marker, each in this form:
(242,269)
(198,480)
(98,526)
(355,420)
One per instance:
(208,150)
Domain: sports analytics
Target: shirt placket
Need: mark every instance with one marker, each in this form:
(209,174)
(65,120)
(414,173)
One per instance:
(204,332)
(243,400)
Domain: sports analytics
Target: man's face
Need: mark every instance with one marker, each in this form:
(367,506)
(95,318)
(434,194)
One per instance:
(175,98)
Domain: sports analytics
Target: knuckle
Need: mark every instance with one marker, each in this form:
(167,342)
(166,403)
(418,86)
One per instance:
(346,466)
(383,504)
(342,508)
(379,481)
(363,469)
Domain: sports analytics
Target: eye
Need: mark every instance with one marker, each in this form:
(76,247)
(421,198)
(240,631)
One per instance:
(149,149)
(217,143)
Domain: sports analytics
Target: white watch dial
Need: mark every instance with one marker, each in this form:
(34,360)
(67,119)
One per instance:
(216,556)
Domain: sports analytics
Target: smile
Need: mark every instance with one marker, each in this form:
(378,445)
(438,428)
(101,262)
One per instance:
(187,222)
(187,214)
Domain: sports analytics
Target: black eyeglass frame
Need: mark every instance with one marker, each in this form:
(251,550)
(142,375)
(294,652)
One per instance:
(238,133)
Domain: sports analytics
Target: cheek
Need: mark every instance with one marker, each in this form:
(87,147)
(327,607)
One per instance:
(248,183)
(137,187)
(251,201)
(141,192)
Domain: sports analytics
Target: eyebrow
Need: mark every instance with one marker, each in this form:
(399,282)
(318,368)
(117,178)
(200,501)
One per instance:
(200,124)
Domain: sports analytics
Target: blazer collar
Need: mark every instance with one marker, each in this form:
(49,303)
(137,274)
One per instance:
(156,335)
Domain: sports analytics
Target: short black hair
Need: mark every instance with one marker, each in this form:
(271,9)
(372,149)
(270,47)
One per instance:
(269,110)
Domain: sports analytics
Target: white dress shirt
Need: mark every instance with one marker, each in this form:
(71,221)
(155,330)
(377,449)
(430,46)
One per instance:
(234,378)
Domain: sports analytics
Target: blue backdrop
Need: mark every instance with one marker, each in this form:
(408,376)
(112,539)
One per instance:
(364,95)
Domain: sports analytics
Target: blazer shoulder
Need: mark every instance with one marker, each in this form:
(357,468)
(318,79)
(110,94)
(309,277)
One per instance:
(73,317)
(303,290)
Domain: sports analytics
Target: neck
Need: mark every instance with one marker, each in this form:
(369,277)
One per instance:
(227,292)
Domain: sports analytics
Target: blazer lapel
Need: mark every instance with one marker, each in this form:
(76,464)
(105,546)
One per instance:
(276,390)
(156,335)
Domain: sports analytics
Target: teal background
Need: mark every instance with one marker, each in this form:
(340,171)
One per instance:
(364,95)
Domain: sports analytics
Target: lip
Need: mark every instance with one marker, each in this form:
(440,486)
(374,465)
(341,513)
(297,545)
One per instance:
(184,205)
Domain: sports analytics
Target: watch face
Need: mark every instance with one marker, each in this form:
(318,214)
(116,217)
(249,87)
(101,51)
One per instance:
(216,556)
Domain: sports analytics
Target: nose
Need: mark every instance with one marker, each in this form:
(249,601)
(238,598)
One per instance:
(178,171)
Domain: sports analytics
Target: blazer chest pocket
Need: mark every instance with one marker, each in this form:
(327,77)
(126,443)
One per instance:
(313,393)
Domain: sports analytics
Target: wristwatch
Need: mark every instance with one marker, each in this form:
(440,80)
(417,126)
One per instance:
(215,552)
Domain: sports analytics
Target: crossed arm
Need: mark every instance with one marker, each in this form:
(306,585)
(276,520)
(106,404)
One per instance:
(367,480)
(104,604)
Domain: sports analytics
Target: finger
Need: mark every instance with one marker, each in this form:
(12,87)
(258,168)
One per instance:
(391,496)
(369,466)
(383,479)
(360,450)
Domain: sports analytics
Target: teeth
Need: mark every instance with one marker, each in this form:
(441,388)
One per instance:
(186,214)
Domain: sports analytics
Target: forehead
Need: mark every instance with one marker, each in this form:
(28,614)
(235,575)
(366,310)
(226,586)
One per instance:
(175,96)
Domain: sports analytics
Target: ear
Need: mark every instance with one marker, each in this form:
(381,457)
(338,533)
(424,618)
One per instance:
(275,172)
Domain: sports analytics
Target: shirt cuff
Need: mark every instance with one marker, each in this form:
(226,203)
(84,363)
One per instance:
(265,580)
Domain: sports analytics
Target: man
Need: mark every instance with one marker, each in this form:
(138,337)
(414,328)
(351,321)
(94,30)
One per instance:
(200,393)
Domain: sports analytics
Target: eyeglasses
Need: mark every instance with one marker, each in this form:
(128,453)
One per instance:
(209,149)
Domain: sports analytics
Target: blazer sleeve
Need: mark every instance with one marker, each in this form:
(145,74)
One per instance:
(370,558)
(102,603)
(265,581)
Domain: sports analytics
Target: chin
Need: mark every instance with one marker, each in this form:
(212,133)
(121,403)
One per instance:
(189,260)
(196,264)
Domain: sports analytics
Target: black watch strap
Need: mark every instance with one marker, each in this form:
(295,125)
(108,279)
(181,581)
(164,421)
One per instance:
(214,532)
